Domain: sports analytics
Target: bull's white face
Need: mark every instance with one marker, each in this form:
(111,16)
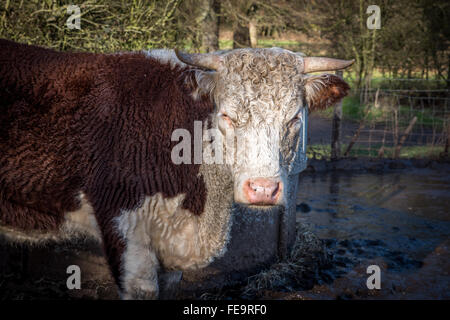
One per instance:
(260,97)
(259,102)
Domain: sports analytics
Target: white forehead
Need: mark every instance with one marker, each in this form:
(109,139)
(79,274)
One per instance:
(260,83)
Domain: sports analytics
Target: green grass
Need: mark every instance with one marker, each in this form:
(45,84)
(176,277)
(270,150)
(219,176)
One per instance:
(321,151)
(387,82)
(351,109)
(225,44)
(265,43)
(278,43)
(354,111)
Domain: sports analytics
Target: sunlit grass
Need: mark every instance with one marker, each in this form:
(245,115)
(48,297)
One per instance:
(225,44)
(278,43)
(354,111)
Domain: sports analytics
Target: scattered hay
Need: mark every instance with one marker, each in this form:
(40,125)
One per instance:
(298,272)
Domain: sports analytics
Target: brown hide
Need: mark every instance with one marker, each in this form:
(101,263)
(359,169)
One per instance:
(100,124)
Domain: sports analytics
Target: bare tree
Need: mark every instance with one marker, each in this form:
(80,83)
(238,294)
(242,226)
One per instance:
(249,17)
(209,21)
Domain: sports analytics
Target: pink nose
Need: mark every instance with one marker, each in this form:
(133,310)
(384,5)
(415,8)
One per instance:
(262,190)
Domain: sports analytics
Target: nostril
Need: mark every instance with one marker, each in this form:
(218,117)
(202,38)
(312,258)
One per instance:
(276,190)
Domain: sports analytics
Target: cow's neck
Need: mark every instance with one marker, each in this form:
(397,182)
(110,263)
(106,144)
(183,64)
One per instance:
(181,239)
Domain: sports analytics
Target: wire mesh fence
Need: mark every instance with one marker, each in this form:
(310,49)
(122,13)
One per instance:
(392,123)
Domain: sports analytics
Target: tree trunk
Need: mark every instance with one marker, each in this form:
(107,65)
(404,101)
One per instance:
(403,138)
(210,25)
(253,33)
(448,71)
(241,36)
(336,127)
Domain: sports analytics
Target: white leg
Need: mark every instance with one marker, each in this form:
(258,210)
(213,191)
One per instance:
(140,272)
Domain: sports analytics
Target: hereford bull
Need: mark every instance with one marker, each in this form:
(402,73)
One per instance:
(86,143)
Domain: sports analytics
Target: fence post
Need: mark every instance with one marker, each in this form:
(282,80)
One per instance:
(447,138)
(336,127)
(403,138)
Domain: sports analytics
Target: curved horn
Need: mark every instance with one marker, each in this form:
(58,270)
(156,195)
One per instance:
(203,60)
(312,64)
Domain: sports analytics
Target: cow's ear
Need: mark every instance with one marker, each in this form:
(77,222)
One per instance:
(324,90)
(205,83)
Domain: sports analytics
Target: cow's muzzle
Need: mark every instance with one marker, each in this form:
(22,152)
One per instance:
(263,191)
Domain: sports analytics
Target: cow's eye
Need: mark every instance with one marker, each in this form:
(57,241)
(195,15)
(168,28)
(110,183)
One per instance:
(296,121)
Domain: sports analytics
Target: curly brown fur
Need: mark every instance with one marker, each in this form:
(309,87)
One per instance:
(100,124)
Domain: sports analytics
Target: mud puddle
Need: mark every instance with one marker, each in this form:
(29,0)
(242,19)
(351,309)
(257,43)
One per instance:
(398,221)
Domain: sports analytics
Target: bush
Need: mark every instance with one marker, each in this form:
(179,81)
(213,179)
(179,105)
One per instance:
(106,25)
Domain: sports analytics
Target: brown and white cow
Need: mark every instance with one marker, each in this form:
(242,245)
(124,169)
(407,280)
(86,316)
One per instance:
(86,142)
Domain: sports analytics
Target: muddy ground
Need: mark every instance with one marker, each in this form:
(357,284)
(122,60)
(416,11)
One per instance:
(350,214)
